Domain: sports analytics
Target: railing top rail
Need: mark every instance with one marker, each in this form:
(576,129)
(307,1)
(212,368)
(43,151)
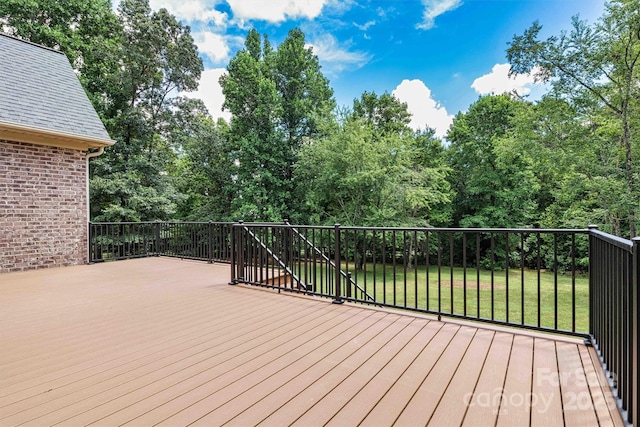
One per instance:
(429,229)
(283,225)
(196,222)
(614,240)
(473,230)
(121,223)
(159,222)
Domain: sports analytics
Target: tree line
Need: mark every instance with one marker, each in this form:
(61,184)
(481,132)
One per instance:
(565,161)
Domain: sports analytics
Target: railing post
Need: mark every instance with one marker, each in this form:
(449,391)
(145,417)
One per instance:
(145,240)
(288,248)
(634,329)
(232,253)
(89,243)
(336,247)
(210,242)
(240,251)
(156,229)
(592,279)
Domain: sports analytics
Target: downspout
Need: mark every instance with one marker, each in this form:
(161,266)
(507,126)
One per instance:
(89,156)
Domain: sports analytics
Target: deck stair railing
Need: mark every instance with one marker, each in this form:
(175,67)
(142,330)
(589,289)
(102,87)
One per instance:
(347,277)
(309,256)
(262,265)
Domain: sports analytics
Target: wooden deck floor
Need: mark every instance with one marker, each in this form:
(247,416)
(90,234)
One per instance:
(163,341)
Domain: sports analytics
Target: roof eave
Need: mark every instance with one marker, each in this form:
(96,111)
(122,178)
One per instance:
(33,135)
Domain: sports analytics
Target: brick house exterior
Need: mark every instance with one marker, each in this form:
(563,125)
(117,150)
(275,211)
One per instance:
(47,130)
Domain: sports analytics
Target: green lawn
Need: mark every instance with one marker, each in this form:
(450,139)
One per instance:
(411,290)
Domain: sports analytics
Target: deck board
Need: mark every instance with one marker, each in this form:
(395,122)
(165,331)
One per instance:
(305,400)
(479,410)
(167,341)
(546,393)
(606,407)
(396,398)
(368,396)
(143,385)
(133,365)
(429,395)
(250,404)
(199,401)
(578,407)
(235,407)
(351,384)
(273,400)
(453,405)
(189,377)
(511,410)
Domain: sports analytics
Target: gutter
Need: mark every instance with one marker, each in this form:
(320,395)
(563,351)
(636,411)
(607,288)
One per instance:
(95,153)
(87,157)
(40,136)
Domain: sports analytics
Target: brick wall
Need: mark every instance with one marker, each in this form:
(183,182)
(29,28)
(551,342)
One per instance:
(43,219)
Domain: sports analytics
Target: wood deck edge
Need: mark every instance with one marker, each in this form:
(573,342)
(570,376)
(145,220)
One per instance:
(444,319)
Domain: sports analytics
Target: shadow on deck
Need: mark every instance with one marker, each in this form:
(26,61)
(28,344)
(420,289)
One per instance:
(163,341)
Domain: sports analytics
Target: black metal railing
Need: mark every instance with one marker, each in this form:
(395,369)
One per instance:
(528,278)
(578,282)
(613,325)
(206,241)
(291,257)
(114,241)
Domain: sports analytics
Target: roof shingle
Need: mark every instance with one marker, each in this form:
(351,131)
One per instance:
(39,89)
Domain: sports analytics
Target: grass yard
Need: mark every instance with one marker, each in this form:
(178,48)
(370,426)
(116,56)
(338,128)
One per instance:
(461,295)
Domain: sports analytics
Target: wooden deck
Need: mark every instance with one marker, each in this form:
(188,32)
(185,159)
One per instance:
(164,341)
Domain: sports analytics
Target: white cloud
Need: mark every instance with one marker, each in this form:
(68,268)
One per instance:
(275,10)
(425,111)
(192,10)
(339,7)
(365,26)
(215,46)
(210,92)
(435,8)
(212,45)
(335,57)
(498,81)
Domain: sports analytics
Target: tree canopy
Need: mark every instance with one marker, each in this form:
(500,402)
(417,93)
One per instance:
(597,68)
(566,160)
(278,99)
(368,173)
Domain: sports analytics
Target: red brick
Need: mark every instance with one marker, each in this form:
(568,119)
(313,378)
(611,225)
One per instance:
(43,219)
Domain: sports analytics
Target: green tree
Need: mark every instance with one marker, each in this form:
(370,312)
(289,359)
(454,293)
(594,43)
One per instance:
(385,112)
(494,186)
(306,99)
(278,100)
(423,190)
(204,169)
(598,67)
(429,166)
(130,64)
(251,96)
(571,157)
(362,175)
(157,58)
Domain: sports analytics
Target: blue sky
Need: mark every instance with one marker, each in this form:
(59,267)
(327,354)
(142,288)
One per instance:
(436,55)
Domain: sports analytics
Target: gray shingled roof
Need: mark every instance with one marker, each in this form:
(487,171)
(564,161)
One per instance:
(38,88)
